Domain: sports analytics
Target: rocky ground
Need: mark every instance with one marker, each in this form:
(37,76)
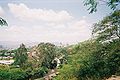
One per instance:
(114,77)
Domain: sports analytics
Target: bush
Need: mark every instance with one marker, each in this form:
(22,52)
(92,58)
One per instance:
(103,62)
(12,74)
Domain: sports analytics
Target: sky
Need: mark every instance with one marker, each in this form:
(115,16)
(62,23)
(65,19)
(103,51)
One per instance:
(65,21)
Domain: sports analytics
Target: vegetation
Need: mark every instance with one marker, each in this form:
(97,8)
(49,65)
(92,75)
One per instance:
(3,22)
(102,62)
(21,56)
(108,28)
(12,74)
(95,59)
(33,66)
(92,61)
(48,53)
(94,3)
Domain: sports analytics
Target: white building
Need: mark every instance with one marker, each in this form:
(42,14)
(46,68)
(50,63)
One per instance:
(8,62)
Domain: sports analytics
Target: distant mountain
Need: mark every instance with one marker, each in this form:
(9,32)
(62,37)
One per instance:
(13,44)
(1,47)
(16,44)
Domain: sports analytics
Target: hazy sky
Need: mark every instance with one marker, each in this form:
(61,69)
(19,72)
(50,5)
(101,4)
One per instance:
(48,20)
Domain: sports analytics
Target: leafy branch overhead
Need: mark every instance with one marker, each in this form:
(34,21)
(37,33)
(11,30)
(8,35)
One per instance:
(108,28)
(3,22)
(93,4)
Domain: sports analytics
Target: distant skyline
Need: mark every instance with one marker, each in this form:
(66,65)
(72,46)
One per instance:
(66,21)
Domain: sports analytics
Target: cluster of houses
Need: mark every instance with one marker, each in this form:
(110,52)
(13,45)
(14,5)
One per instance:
(34,55)
(6,62)
(6,58)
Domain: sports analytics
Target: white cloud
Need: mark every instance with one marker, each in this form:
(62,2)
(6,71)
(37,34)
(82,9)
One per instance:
(55,26)
(73,32)
(23,12)
(1,11)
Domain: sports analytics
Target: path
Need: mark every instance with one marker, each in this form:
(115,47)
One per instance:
(52,73)
(114,78)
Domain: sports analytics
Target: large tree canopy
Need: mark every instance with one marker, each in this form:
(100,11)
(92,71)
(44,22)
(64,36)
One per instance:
(94,3)
(21,55)
(43,54)
(109,27)
(3,22)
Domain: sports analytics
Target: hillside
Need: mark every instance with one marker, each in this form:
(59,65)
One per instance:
(90,60)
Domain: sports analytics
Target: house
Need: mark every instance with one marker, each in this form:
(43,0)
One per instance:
(5,58)
(58,61)
(7,62)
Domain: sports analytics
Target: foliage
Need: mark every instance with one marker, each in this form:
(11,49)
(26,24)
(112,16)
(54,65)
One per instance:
(5,53)
(12,74)
(70,70)
(66,73)
(49,51)
(42,55)
(2,52)
(40,72)
(103,62)
(3,22)
(92,60)
(21,56)
(62,52)
(45,53)
(108,28)
(94,3)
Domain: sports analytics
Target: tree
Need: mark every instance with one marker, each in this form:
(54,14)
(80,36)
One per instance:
(7,73)
(94,3)
(21,56)
(43,55)
(48,52)
(3,22)
(101,61)
(108,28)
